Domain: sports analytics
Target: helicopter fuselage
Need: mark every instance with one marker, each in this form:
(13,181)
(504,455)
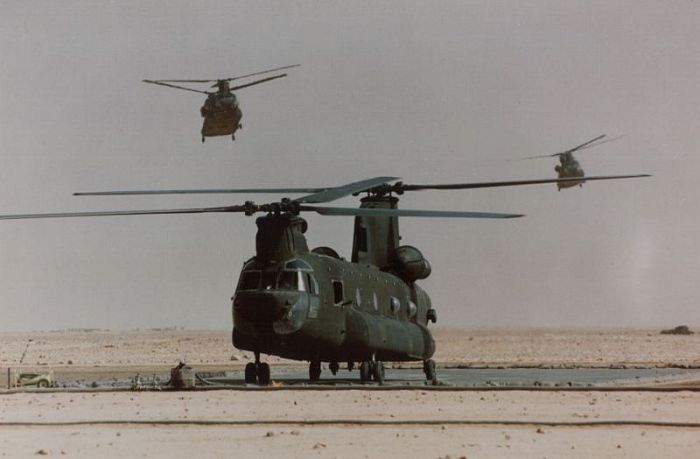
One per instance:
(569,167)
(222,115)
(317,307)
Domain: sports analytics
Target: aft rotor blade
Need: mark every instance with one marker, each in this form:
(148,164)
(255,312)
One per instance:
(366,212)
(464,186)
(236,88)
(331,194)
(175,86)
(264,71)
(200,191)
(117,213)
(601,142)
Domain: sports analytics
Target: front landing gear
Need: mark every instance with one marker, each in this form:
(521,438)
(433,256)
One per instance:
(314,370)
(258,372)
(430,371)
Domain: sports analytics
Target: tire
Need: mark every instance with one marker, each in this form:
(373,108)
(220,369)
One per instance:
(264,374)
(251,374)
(314,371)
(365,371)
(378,372)
(430,371)
(42,383)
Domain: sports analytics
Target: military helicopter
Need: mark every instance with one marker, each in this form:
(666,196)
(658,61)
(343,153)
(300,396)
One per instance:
(313,305)
(569,167)
(221,113)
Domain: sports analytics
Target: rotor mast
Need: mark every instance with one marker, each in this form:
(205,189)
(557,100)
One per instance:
(376,238)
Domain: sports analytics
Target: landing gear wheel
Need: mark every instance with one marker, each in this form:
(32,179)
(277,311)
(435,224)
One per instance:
(42,383)
(430,371)
(233,136)
(334,367)
(251,374)
(202,139)
(378,372)
(263,374)
(365,371)
(314,370)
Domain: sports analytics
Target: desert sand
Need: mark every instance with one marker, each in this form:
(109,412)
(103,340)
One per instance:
(356,423)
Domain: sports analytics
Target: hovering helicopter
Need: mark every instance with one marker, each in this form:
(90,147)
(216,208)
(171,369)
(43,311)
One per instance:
(569,167)
(221,113)
(313,305)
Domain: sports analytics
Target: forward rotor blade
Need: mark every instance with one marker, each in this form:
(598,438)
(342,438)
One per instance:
(175,86)
(583,146)
(331,194)
(365,212)
(321,194)
(201,191)
(186,81)
(264,71)
(126,212)
(264,80)
(230,79)
(465,186)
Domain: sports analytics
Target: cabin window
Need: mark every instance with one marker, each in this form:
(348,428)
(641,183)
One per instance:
(291,280)
(311,282)
(412,309)
(337,292)
(249,280)
(361,239)
(395,305)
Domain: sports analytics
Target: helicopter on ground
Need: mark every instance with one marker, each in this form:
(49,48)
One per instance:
(569,167)
(313,305)
(221,112)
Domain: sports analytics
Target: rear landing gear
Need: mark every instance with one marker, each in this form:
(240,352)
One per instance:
(372,370)
(258,372)
(203,139)
(430,372)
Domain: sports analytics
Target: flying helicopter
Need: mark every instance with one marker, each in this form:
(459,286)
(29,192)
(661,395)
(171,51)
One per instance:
(313,305)
(221,112)
(569,167)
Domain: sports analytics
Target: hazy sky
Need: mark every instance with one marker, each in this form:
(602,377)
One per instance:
(428,91)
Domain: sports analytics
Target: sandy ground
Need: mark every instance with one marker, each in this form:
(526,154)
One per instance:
(355,423)
(273,424)
(454,347)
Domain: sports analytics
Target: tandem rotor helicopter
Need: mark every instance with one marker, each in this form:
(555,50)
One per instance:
(568,166)
(221,113)
(313,305)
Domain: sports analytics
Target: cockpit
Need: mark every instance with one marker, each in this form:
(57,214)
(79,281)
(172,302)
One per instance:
(296,275)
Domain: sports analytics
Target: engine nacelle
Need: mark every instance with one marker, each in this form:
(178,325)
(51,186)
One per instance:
(409,264)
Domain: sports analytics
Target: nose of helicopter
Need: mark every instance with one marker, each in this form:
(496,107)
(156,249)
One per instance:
(264,306)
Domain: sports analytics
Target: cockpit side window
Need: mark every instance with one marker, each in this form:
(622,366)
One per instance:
(249,280)
(312,283)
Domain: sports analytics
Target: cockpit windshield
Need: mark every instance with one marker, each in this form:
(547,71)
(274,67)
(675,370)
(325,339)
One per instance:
(249,280)
(291,280)
(271,280)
